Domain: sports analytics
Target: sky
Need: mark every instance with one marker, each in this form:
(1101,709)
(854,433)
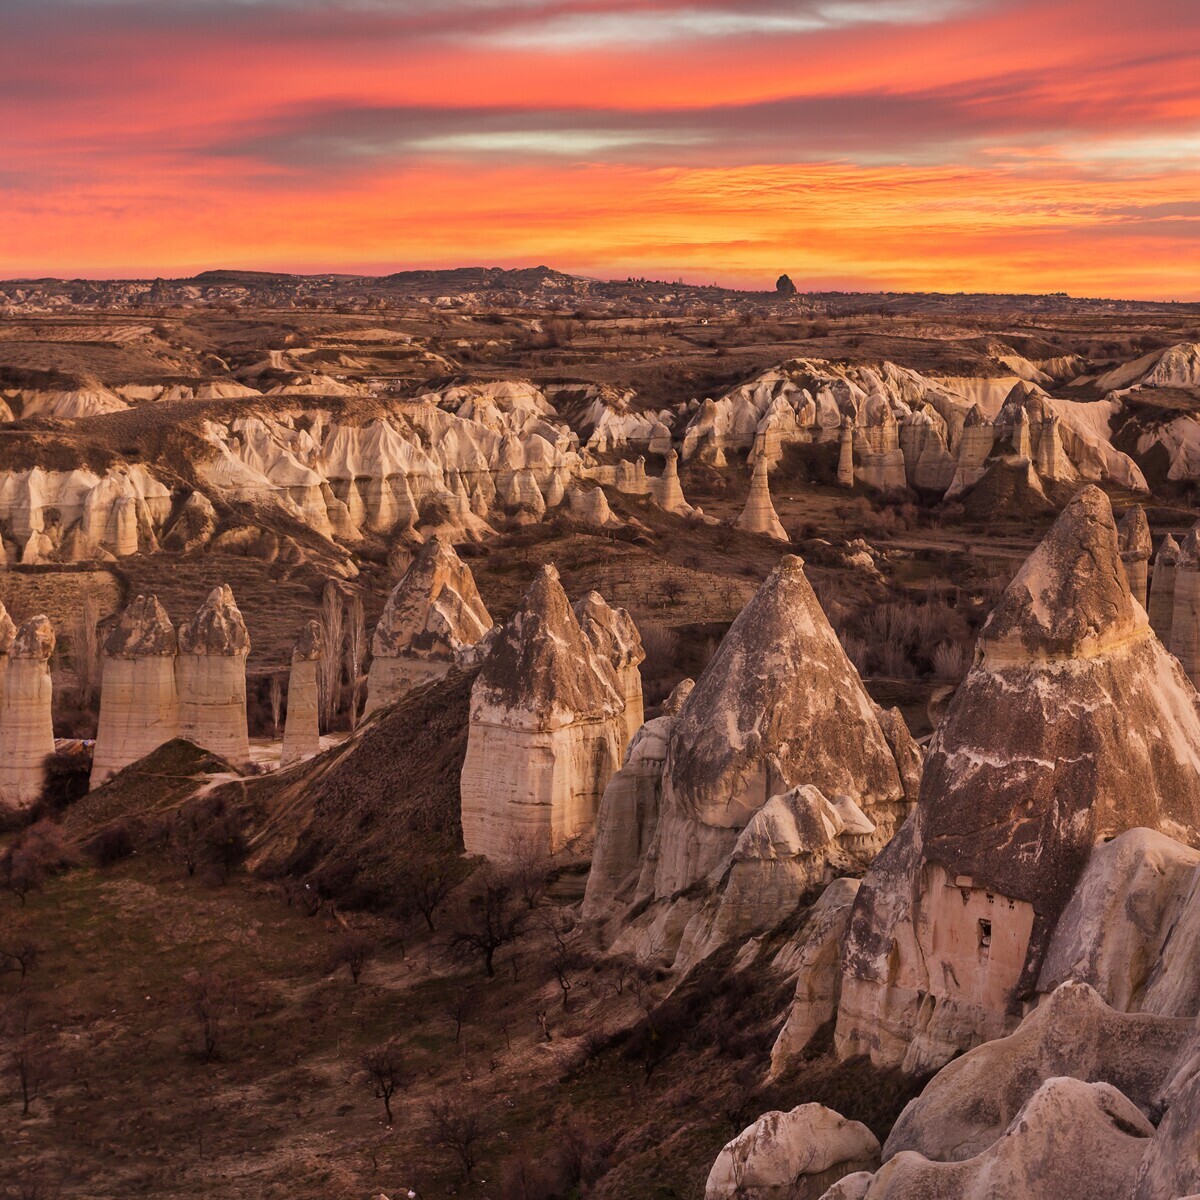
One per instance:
(906,145)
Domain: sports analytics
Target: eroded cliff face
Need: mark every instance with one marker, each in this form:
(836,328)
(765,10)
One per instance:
(1073,725)
(547,731)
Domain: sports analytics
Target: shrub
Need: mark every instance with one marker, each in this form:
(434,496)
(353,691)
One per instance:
(113,844)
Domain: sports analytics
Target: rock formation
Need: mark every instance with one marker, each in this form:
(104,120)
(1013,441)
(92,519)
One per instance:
(1133,536)
(1071,1141)
(1073,726)
(26,722)
(666,490)
(302,730)
(759,515)
(845,470)
(433,614)
(1185,617)
(614,636)
(546,733)
(793,1155)
(210,674)
(8,633)
(139,704)
(779,773)
(1162,589)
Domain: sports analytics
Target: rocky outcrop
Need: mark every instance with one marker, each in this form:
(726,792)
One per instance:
(969,1104)
(433,615)
(1185,617)
(791,1156)
(194,527)
(779,775)
(139,704)
(845,467)
(1133,536)
(817,962)
(546,732)
(1071,1141)
(1162,589)
(666,490)
(759,515)
(26,722)
(1073,726)
(210,674)
(302,729)
(614,636)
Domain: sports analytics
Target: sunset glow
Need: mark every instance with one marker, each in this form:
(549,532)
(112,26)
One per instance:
(979,145)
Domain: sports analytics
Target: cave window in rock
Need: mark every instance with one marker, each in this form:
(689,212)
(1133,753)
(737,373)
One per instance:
(985,934)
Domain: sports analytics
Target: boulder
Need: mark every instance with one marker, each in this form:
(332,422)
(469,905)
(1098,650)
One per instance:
(791,1156)
(1071,1141)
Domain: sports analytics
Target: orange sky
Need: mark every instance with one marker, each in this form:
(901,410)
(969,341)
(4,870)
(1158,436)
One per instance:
(990,145)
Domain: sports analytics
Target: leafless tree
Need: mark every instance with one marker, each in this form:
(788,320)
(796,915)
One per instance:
(384,1069)
(329,670)
(566,954)
(528,868)
(356,654)
(459,1008)
(493,914)
(19,955)
(425,881)
(38,853)
(208,998)
(30,1052)
(352,949)
(457,1127)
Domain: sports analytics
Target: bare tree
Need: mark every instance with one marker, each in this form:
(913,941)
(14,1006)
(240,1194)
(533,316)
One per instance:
(30,1052)
(356,654)
(38,853)
(21,955)
(492,915)
(329,669)
(208,997)
(566,954)
(426,879)
(384,1069)
(528,868)
(457,1128)
(85,649)
(352,949)
(459,1008)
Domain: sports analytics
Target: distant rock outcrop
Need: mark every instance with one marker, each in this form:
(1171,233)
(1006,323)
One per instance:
(547,731)
(26,722)
(1073,725)
(211,678)
(434,613)
(139,704)
(1162,589)
(302,730)
(759,515)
